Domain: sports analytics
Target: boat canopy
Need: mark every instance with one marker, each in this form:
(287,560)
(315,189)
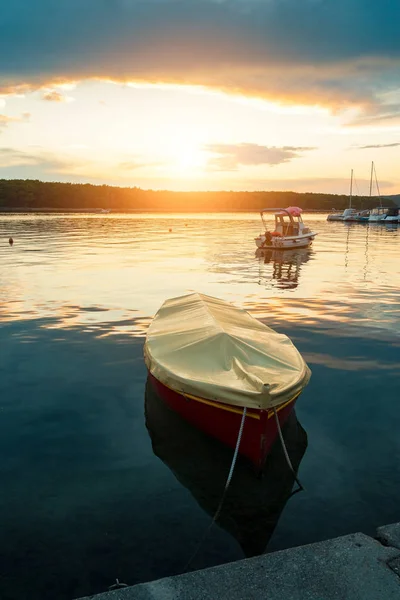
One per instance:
(206,347)
(294,211)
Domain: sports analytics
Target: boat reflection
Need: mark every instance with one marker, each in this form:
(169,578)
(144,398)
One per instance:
(253,505)
(286,266)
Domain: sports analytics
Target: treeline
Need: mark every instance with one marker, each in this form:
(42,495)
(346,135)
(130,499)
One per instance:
(33,194)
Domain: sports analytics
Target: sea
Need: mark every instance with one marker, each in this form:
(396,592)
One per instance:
(98,481)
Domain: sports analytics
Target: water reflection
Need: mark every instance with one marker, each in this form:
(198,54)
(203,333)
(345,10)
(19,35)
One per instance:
(286,266)
(128,265)
(356,239)
(201,464)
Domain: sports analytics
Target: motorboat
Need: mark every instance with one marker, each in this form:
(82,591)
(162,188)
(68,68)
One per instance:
(223,370)
(289,231)
(385,215)
(252,508)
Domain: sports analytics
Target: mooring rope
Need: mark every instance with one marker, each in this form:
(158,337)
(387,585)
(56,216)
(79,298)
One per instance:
(228,480)
(285,450)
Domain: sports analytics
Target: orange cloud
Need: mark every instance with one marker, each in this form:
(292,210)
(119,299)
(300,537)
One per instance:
(53,96)
(5,120)
(283,51)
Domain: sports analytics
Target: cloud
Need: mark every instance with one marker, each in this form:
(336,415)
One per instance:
(379,146)
(54,96)
(41,164)
(41,161)
(378,114)
(231,156)
(130,165)
(5,120)
(284,50)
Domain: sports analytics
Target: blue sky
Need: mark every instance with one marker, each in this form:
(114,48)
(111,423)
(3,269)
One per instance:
(197,94)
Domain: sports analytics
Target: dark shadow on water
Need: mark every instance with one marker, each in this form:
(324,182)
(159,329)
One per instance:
(252,505)
(85,501)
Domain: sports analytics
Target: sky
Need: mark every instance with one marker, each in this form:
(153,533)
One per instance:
(202,94)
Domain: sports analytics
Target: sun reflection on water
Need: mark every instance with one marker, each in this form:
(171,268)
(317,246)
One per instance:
(118,269)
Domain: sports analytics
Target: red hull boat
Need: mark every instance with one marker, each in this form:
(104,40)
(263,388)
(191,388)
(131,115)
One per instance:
(209,361)
(222,421)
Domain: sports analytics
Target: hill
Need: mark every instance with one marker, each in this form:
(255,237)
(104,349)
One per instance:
(28,194)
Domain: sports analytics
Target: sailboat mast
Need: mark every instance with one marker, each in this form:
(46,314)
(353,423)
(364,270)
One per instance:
(351,187)
(370,183)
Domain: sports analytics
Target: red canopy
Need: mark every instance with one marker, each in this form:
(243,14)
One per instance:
(295,211)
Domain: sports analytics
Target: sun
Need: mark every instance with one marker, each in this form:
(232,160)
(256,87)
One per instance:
(185,157)
(190,159)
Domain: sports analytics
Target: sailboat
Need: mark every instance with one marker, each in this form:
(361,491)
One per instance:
(357,216)
(348,212)
(382,214)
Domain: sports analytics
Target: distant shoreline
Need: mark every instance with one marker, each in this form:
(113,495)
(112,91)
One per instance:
(33,196)
(21,210)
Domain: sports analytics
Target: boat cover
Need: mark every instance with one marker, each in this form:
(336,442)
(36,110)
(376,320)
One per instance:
(202,346)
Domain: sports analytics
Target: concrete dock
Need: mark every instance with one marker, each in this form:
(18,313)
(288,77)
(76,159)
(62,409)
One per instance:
(353,567)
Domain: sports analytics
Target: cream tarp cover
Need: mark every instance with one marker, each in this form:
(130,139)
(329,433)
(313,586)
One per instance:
(206,347)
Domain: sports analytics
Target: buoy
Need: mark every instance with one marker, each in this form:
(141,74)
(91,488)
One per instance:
(10,241)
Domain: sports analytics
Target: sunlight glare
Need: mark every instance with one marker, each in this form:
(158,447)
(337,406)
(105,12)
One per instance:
(185,158)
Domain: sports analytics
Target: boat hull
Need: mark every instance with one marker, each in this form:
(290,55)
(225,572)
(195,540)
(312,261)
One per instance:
(222,422)
(356,219)
(384,220)
(279,243)
(345,215)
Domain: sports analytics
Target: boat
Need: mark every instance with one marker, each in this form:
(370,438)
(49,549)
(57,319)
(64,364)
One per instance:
(221,369)
(392,216)
(336,216)
(348,212)
(382,214)
(251,510)
(290,231)
(359,216)
(385,215)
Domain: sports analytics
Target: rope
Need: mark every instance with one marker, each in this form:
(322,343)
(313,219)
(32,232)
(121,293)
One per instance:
(117,585)
(229,478)
(285,450)
(356,186)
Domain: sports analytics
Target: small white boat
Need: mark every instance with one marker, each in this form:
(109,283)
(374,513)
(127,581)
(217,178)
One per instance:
(360,216)
(290,231)
(345,215)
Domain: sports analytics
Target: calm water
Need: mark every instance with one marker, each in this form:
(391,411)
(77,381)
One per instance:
(84,499)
